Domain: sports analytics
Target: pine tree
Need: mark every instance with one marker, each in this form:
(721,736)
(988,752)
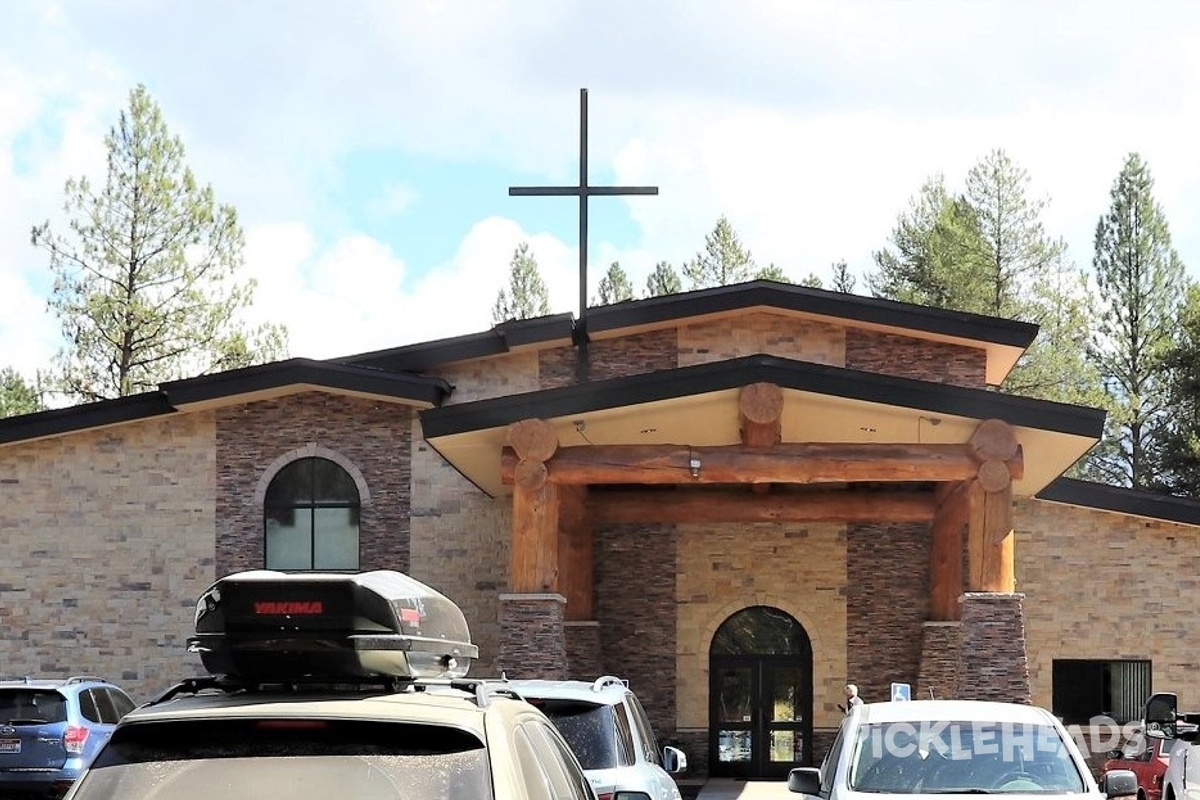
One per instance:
(18,396)
(772,273)
(145,282)
(722,262)
(1014,250)
(843,280)
(663,280)
(614,286)
(1140,283)
(526,295)
(1177,457)
(934,253)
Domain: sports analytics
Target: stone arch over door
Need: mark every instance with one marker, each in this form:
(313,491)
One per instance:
(760,695)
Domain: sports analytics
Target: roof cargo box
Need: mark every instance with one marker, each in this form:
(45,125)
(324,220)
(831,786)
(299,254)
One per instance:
(269,626)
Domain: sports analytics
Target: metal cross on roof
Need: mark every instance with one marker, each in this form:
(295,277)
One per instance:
(583,191)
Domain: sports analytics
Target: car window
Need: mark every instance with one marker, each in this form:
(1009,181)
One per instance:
(599,739)
(644,732)
(963,757)
(32,706)
(120,701)
(289,759)
(108,713)
(87,706)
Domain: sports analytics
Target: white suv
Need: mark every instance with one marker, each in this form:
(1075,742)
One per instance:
(954,747)
(330,686)
(609,731)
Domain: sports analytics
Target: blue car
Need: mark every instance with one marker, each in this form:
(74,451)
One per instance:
(51,729)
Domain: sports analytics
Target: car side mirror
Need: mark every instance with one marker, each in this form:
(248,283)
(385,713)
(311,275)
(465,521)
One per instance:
(674,759)
(1120,783)
(807,780)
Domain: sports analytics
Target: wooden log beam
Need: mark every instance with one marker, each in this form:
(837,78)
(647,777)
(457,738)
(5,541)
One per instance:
(946,551)
(532,439)
(760,410)
(783,463)
(721,505)
(576,571)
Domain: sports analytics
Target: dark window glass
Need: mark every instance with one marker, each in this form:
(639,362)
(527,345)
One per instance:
(40,705)
(87,706)
(759,630)
(311,517)
(592,731)
(121,701)
(1084,688)
(645,732)
(289,759)
(108,713)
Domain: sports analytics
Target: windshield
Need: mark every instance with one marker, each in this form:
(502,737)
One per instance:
(288,760)
(963,757)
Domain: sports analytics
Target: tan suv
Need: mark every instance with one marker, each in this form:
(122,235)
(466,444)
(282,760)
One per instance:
(333,686)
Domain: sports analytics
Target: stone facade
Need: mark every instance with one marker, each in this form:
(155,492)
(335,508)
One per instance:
(110,538)
(991,657)
(119,529)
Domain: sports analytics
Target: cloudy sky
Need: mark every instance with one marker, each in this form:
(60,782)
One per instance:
(369,146)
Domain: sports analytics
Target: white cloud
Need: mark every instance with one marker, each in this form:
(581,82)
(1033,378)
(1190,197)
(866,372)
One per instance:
(809,124)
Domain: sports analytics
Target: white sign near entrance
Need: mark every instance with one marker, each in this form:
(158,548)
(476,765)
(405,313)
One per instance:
(901,692)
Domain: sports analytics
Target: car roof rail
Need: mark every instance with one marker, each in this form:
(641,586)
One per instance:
(604,681)
(84,679)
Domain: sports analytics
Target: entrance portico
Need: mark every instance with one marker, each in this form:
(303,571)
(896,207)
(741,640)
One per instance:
(755,442)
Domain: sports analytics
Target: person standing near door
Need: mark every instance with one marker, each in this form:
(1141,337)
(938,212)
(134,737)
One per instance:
(852,699)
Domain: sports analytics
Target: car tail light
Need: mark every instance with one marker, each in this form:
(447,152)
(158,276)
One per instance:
(1158,780)
(74,738)
(605,796)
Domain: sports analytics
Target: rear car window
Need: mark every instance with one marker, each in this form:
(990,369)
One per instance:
(591,730)
(288,759)
(32,706)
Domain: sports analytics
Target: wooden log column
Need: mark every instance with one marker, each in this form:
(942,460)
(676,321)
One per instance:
(533,557)
(990,546)
(533,638)
(760,412)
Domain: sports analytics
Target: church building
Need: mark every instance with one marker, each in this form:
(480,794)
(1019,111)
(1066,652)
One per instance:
(739,499)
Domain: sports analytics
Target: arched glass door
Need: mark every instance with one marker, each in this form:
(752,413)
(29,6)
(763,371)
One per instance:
(760,695)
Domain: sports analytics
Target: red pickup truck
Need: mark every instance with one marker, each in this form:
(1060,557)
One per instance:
(1148,754)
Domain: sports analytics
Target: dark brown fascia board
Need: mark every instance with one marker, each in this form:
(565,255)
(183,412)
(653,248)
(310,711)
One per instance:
(499,340)
(81,417)
(787,373)
(263,377)
(820,302)
(1122,500)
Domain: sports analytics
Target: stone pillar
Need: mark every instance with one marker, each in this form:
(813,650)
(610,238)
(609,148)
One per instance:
(532,639)
(992,661)
(585,662)
(939,661)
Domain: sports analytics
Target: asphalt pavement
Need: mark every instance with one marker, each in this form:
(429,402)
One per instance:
(730,789)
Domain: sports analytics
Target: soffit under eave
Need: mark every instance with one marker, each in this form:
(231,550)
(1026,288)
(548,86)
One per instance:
(711,419)
(276,392)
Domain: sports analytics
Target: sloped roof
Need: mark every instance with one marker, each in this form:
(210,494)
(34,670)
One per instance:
(228,388)
(1122,500)
(697,405)
(1003,340)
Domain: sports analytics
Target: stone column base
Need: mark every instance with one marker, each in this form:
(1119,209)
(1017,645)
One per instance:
(532,641)
(939,661)
(584,659)
(992,660)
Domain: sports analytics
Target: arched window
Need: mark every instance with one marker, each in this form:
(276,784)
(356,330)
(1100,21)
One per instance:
(310,516)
